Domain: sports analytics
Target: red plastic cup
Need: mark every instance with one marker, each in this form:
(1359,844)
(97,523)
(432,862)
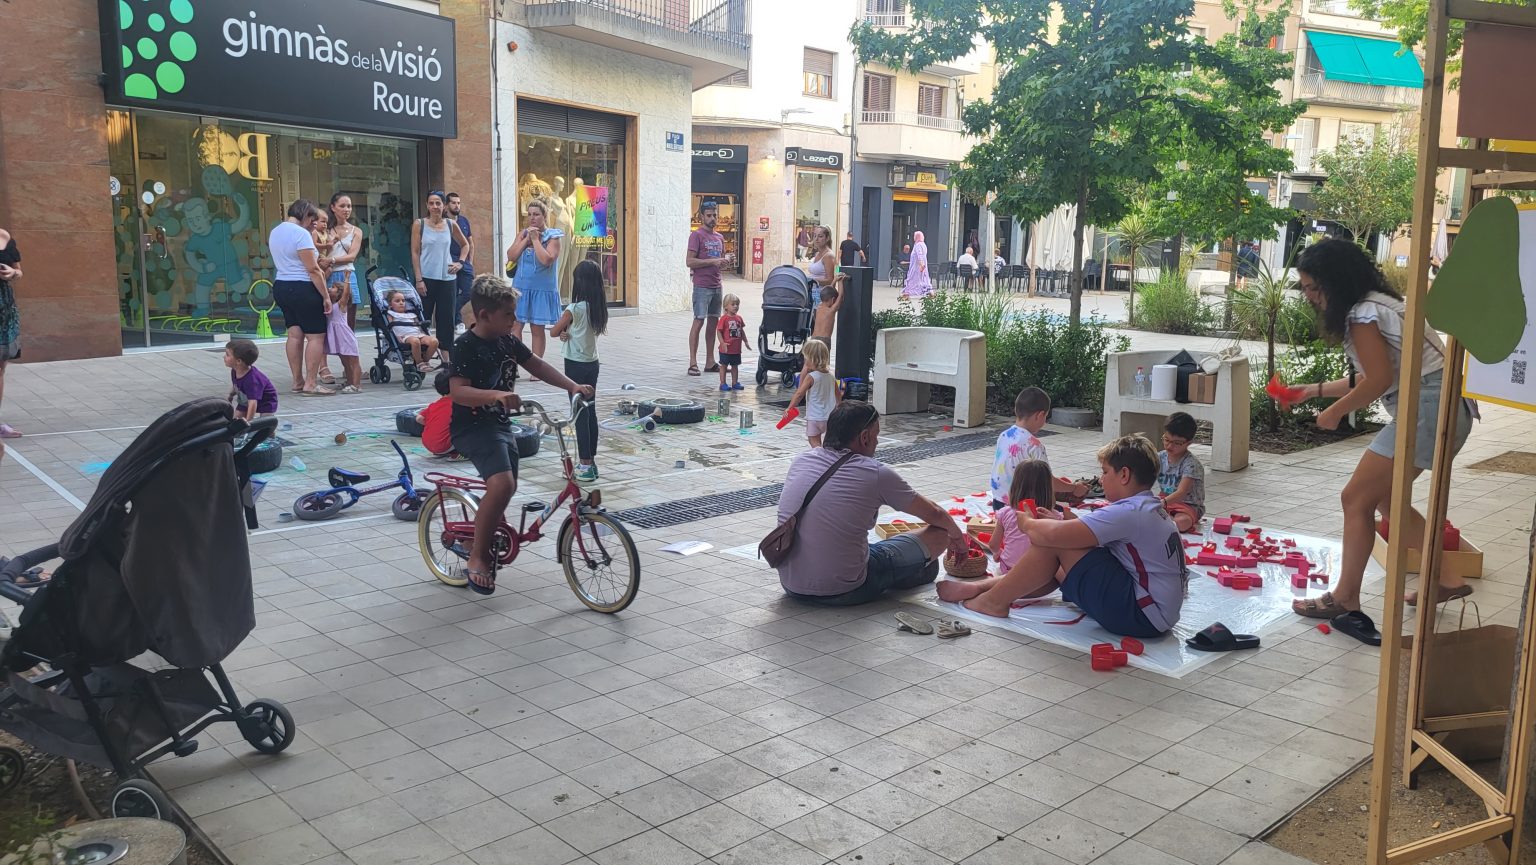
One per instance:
(788,416)
(1131,645)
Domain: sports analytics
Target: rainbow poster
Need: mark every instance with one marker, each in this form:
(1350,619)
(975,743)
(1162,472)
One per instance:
(591,211)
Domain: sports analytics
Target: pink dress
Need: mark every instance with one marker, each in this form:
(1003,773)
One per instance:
(1014,541)
(339,339)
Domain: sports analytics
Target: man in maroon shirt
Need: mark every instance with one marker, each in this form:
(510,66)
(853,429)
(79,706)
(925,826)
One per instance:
(706,254)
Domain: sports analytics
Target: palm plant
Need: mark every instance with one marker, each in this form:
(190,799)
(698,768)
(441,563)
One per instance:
(1259,307)
(1137,231)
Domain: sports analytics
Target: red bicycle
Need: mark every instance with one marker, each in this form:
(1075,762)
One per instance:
(602,565)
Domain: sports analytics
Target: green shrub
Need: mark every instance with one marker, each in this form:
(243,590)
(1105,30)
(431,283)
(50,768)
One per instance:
(1044,350)
(1171,306)
(1306,362)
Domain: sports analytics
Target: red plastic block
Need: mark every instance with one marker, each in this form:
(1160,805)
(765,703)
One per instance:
(1240,582)
(1288,542)
(1235,543)
(1223,525)
(1191,560)
(1255,581)
(1323,626)
(1101,648)
(1246,561)
(1209,558)
(1119,658)
(1132,646)
(1225,579)
(1239,518)
(1102,663)
(1298,581)
(1320,578)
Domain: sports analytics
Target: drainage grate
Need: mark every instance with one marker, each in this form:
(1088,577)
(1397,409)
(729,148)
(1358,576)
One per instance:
(675,513)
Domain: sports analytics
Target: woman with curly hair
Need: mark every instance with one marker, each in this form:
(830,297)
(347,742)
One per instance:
(1358,308)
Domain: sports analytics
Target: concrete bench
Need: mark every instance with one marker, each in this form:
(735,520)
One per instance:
(1125,414)
(908,360)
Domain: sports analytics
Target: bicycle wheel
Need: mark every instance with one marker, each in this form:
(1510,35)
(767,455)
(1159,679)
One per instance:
(604,568)
(446,558)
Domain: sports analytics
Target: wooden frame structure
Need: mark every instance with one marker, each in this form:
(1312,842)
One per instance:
(1423,737)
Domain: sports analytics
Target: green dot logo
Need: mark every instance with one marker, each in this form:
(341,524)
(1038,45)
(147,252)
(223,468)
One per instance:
(154,45)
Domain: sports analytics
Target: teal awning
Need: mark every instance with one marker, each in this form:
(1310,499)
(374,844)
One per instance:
(1366,61)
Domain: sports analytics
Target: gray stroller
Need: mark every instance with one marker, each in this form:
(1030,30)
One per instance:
(157,563)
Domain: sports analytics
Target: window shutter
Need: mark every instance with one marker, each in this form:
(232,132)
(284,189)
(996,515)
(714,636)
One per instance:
(930,100)
(737,80)
(877,92)
(818,62)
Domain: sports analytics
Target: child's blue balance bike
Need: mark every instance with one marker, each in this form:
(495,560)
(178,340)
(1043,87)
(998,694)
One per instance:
(343,494)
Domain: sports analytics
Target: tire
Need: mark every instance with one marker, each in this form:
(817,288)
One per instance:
(604,569)
(267,457)
(139,798)
(457,506)
(375,375)
(788,379)
(413,381)
(406,508)
(527,439)
(316,506)
(384,375)
(268,726)
(405,421)
(13,768)
(762,375)
(673,411)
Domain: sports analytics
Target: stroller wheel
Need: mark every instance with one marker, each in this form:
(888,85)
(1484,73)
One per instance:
(373,375)
(13,767)
(413,381)
(762,375)
(789,378)
(384,375)
(268,726)
(139,798)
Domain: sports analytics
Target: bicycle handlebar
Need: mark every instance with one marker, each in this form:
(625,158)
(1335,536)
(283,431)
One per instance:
(531,407)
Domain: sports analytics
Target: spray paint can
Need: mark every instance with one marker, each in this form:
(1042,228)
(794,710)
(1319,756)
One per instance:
(746,418)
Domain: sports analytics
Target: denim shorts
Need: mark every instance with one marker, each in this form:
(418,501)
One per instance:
(1385,442)
(895,564)
(706,302)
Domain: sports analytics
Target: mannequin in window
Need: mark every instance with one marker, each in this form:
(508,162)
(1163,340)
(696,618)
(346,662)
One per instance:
(560,216)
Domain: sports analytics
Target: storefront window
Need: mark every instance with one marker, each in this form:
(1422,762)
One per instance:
(195,199)
(815,204)
(583,185)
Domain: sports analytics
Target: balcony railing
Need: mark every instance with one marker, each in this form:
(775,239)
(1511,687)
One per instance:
(1304,161)
(886,19)
(1317,86)
(722,20)
(1334,7)
(947,124)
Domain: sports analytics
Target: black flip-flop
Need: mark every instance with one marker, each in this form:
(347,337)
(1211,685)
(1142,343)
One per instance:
(1358,625)
(1218,638)
(33,578)
(476,587)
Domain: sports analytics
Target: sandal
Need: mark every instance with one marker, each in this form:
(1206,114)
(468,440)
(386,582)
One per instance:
(33,578)
(326,377)
(9,432)
(1443,595)
(714,367)
(953,628)
(693,370)
(1358,625)
(913,623)
(1320,607)
(476,587)
(351,388)
(318,391)
(1218,638)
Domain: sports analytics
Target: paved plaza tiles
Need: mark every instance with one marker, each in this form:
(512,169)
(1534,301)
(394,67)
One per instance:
(715,721)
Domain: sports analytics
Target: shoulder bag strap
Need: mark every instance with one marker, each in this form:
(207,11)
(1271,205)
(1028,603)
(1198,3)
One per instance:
(816,487)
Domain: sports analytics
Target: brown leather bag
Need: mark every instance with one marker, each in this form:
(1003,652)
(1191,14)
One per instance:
(775,547)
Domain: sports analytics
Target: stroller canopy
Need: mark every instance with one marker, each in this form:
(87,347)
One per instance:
(159,559)
(787,286)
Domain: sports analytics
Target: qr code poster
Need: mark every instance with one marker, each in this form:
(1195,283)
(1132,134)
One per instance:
(1510,382)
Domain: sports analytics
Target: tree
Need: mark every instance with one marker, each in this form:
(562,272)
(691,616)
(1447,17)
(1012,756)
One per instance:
(1136,230)
(1369,187)
(1092,93)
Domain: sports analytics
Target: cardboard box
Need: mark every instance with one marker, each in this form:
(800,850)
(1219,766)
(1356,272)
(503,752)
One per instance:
(1466,562)
(1202,388)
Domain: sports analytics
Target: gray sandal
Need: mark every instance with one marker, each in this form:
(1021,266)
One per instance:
(948,630)
(913,623)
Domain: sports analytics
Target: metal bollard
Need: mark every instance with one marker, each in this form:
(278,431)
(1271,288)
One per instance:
(723,406)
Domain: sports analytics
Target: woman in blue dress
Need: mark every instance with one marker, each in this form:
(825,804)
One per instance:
(535,251)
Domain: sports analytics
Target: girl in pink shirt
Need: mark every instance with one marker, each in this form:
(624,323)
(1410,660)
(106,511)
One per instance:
(1032,479)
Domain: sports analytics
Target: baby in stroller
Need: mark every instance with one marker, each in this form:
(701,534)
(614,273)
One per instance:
(407,326)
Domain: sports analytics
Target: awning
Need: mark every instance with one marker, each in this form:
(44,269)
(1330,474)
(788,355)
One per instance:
(1366,61)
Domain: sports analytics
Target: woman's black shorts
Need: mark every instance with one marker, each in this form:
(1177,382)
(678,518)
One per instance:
(301,305)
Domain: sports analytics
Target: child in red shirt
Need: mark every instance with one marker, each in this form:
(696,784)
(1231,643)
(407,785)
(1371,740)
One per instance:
(733,332)
(434,420)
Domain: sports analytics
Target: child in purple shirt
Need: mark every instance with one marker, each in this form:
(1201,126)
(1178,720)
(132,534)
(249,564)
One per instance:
(1122,565)
(253,391)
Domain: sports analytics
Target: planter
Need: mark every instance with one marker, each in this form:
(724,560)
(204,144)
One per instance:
(1077,418)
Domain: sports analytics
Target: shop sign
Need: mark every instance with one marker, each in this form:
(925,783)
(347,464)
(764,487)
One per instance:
(911,177)
(342,64)
(762,223)
(720,153)
(813,158)
(675,142)
(757,250)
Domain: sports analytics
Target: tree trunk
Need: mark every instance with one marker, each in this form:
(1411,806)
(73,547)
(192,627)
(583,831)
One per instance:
(1226,314)
(1075,313)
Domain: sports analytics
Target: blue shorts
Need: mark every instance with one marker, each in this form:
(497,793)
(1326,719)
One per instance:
(895,564)
(343,277)
(1106,591)
(1385,442)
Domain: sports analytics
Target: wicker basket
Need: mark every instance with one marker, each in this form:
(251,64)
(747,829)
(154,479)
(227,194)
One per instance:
(968,568)
(897,527)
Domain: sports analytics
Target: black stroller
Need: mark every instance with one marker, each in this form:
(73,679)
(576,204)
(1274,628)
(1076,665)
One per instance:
(387,348)
(157,562)
(786,323)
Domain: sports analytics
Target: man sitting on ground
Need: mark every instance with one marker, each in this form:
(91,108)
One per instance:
(1123,564)
(832,562)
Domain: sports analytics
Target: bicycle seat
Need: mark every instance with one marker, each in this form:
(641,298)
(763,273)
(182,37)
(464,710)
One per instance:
(344,478)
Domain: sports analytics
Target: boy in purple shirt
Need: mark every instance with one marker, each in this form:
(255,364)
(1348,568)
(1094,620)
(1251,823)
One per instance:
(253,390)
(1123,564)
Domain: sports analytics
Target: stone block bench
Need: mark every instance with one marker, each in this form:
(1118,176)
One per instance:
(908,360)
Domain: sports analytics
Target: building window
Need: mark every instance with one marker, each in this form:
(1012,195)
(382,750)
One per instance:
(737,80)
(818,73)
(930,104)
(877,98)
(816,198)
(1363,133)
(886,13)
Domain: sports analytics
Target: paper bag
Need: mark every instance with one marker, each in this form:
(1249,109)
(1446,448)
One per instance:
(1467,671)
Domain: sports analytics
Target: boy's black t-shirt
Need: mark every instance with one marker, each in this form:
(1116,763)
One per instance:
(489,365)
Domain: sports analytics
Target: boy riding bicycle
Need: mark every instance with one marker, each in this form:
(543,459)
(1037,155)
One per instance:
(485,361)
